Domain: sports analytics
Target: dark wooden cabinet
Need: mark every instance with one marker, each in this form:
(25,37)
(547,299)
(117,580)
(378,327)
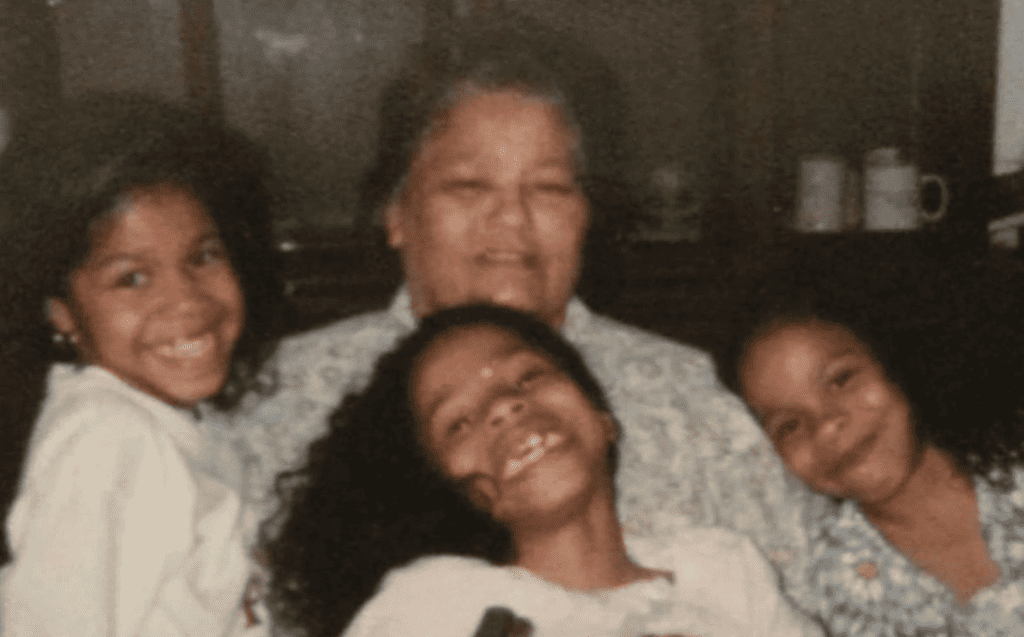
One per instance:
(843,77)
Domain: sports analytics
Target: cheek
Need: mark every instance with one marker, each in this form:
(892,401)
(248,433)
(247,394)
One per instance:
(461,461)
(482,493)
(562,228)
(447,225)
(799,459)
(112,321)
(875,396)
(561,238)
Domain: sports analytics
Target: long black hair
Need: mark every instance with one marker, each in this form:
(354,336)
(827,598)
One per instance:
(949,337)
(370,499)
(63,177)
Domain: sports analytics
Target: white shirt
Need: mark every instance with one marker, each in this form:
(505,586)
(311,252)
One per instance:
(721,587)
(128,520)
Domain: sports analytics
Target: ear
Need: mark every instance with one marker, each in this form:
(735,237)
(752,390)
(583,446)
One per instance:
(394,222)
(61,317)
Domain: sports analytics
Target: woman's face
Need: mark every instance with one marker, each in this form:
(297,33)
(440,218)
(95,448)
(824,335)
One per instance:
(834,417)
(507,423)
(491,210)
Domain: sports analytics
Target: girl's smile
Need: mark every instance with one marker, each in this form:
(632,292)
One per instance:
(834,417)
(156,300)
(505,421)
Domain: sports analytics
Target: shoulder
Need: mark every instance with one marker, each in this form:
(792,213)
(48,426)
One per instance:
(439,595)
(724,572)
(697,549)
(356,334)
(308,376)
(652,379)
(324,364)
(95,428)
(441,570)
(614,338)
(92,401)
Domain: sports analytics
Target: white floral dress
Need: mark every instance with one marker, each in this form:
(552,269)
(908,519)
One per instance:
(860,585)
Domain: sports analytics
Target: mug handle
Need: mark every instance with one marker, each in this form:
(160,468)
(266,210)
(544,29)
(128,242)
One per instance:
(932,216)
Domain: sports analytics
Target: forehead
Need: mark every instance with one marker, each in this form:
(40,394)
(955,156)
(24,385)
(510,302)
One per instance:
(159,214)
(463,351)
(480,120)
(795,351)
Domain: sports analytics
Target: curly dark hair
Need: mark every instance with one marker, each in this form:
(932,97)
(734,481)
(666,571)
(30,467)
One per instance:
(949,337)
(369,498)
(58,181)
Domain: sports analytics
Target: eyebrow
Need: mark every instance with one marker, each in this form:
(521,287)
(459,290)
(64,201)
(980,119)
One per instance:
(207,234)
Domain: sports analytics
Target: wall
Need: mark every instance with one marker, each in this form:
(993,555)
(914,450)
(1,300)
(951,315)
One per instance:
(120,45)
(303,76)
(1008,154)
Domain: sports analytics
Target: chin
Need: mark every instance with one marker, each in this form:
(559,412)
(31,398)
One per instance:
(189,394)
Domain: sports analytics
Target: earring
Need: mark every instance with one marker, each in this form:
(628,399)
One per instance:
(73,339)
(58,338)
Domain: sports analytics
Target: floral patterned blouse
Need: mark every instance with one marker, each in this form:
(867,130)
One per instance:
(860,585)
(691,453)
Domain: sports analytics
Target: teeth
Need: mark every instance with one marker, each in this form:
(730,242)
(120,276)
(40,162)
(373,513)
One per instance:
(534,447)
(187,349)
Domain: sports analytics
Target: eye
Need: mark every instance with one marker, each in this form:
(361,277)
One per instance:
(456,427)
(528,376)
(842,378)
(210,253)
(132,279)
(464,188)
(782,427)
(555,188)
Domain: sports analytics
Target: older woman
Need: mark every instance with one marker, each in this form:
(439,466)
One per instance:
(484,175)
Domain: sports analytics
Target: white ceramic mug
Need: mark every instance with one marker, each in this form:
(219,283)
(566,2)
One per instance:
(820,205)
(892,197)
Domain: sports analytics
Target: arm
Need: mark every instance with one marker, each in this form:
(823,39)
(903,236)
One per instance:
(101,527)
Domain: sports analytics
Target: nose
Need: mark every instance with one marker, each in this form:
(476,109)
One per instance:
(829,424)
(512,209)
(181,292)
(505,411)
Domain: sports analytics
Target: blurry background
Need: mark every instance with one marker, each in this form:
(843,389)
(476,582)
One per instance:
(721,99)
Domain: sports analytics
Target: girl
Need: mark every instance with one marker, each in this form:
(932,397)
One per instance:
(483,452)
(138,302)
(903,406)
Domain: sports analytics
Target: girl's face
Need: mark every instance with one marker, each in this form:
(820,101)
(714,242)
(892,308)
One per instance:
(506,422)
(831,412)
(156,301)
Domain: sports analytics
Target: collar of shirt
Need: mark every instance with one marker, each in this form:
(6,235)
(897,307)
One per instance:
(577,314)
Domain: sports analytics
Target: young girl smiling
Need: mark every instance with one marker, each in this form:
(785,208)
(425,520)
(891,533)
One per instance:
(479,464)
(128,249)
(913,428)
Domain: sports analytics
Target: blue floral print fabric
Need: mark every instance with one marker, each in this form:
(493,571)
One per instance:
(860,585)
